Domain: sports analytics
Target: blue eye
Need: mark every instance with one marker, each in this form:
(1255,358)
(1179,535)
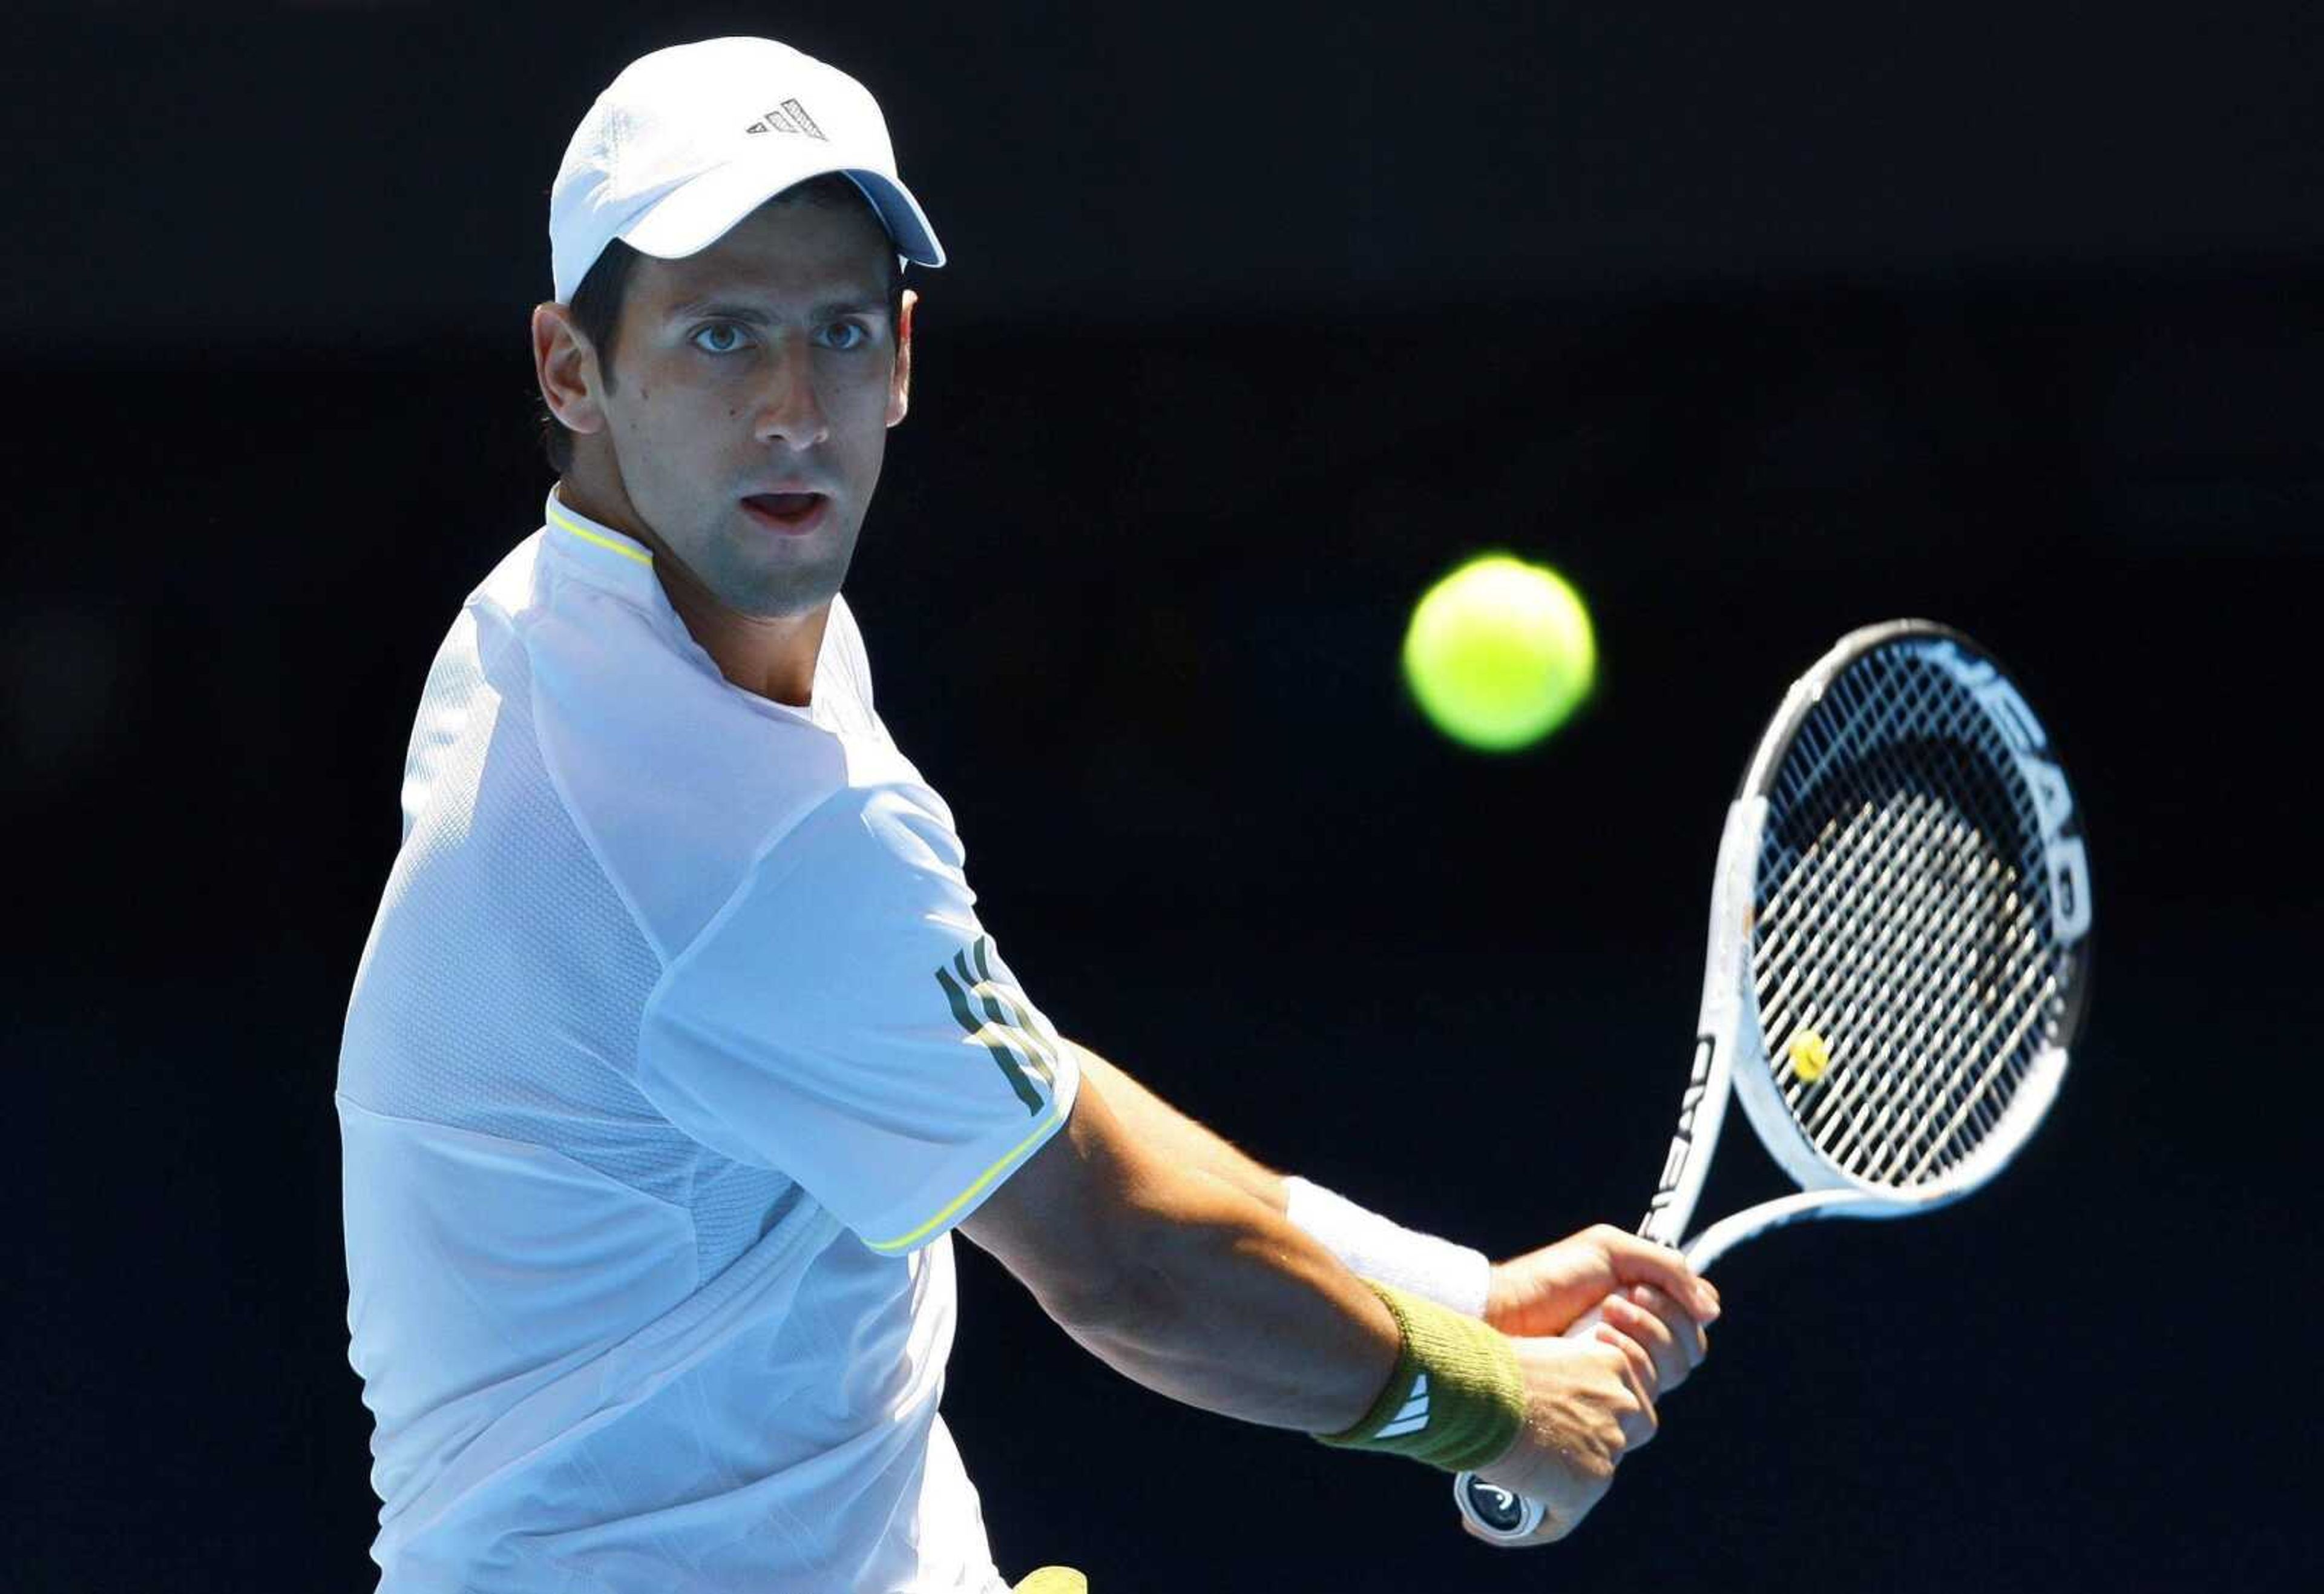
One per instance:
(728,335)
(857,336)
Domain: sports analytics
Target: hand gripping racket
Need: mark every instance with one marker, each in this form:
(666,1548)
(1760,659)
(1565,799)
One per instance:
(1899,952)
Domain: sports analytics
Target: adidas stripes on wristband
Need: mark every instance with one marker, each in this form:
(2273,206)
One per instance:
(1456,1399)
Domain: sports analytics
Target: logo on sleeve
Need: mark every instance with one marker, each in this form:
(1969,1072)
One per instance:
(996,1016)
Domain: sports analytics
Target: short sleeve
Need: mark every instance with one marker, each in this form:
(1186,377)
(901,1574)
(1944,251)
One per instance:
(845,1020)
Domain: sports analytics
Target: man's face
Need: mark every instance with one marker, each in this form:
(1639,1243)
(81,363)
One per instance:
(758,380)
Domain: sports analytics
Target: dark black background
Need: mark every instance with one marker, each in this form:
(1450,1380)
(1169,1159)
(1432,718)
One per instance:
(1759,323)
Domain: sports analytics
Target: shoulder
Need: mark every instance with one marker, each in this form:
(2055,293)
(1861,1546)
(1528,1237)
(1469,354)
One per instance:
(863,893)
(675,780)
(880,853)
(514,582)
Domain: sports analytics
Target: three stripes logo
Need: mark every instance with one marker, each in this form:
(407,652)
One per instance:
(997,1016)
(1413,1416)
(790,117)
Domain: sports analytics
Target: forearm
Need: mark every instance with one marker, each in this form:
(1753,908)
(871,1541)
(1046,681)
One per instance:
(1177,1137)
(1450,1275)
(1182,1280)
(1232,1309)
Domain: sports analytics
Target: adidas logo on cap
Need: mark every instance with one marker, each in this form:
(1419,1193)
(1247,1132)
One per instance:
(790,117)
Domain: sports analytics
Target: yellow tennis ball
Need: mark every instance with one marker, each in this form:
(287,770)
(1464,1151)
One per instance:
(1500,653)
(1810,1054)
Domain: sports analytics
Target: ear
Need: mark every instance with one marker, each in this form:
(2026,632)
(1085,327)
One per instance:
(565,367)
(899,386)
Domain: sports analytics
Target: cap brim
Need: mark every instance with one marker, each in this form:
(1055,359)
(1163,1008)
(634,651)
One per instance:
(696,214)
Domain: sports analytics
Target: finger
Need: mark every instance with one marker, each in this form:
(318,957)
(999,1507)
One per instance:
(1663,1340)
(1636,1261)
(1638,1370)
(1639,1261)
(1685,1329)
(1638,1362)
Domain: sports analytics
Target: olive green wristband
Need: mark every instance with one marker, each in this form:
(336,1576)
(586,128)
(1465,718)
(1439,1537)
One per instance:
(1456,1399)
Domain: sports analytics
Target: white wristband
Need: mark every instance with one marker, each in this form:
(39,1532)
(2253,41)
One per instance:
(1369,1244)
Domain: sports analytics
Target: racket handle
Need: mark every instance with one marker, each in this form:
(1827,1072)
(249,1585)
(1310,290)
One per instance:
(1495,1511)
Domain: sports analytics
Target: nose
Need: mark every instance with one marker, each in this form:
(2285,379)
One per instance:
(791,411)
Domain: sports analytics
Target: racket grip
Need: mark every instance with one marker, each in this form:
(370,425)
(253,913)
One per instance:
(1497,1513)
(1494,1511)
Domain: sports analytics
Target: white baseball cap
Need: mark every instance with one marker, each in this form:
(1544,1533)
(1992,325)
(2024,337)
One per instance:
(687,141)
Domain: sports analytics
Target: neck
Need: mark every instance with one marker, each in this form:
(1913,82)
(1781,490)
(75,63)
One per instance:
(771,655)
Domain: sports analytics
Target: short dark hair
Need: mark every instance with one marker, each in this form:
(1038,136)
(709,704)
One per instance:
(598,302)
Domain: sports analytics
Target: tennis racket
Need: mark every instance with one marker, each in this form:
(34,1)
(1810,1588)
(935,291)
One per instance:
(1899,956)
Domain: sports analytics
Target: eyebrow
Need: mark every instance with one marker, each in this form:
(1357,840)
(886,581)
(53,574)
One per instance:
(750,315)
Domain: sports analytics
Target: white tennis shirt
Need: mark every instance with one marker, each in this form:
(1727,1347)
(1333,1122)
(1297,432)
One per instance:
(675,1053)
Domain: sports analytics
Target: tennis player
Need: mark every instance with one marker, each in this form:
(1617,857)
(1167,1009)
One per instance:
(677,1050)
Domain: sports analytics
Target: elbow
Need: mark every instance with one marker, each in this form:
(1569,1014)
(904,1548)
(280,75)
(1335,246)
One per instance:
(1113,1238)
(1148,1272)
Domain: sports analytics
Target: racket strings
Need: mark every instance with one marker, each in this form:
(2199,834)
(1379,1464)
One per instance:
(1870,926)
(1879,933)
(1874,1102)
(1897,923)
(1873,1117)
(1934,1011)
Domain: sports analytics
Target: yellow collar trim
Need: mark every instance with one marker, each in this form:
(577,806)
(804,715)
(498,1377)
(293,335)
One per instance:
(600,539)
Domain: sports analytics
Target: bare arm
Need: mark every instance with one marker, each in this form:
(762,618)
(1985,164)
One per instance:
(1177,1277)
(1177,1137)
(1363,1241)
(1541,1292)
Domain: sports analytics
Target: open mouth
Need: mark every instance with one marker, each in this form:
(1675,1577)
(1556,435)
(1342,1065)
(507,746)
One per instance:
(787,512)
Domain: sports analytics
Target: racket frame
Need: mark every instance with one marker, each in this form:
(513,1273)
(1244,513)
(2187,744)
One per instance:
(1731,1055)
(1730,1010)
